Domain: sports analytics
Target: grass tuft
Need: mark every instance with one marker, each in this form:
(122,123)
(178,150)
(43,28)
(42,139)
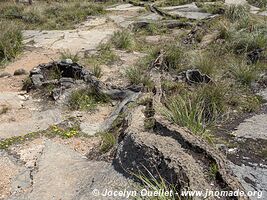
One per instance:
(97,71)
(10,40)
(137,76)
(86,99)
(156,184)
(245,74)
(108,141)
(236,12)
(123,40)
(68,55)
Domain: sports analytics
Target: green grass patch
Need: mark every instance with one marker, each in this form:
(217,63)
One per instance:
(137,76)
(155,184)
(86,99)
(55,15)
(236,12)
(213,171)
(108,140)
(10,40)
(245,74)
(123,40)
(104,55)
(52,131)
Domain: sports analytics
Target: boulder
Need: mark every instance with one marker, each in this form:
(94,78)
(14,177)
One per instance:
(20,72)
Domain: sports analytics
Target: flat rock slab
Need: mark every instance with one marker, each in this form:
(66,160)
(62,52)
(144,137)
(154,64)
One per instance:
(253,178)
(64,174)
(39,121)
(8,170)
(72,40)
(121,21)
(24,116)
(263,13)
(125,7)
(235,2)
(254,127)
(190,11)
(149,17)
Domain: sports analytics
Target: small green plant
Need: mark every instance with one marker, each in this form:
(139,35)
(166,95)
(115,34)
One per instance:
(123,40)
(136,76)
(174,56)
(177,2)
(27,83)
(6,143)
(205,63)
(213,171)
(64,133)
(108,141)
(97,71)
(86,99)
(68,55)
(155,184)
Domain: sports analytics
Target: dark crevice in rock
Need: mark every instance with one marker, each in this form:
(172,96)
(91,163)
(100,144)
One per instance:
(135,158)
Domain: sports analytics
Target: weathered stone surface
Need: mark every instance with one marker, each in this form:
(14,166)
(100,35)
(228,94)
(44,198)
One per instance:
(172,153)
(254,127)
(37,80)
(125,7)
(69,40)
(190,11)
(8,169)
(38,120)
(253,178)
(64,174)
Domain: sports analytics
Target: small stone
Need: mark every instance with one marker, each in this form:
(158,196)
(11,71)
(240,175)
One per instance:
(20,72)
(56,93)
(66,82)
(37,79)
(36,70)
(232,150)
(222,147)
(68,61)
(5,74)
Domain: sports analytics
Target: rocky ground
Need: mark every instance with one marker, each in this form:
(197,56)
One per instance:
(44,167)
